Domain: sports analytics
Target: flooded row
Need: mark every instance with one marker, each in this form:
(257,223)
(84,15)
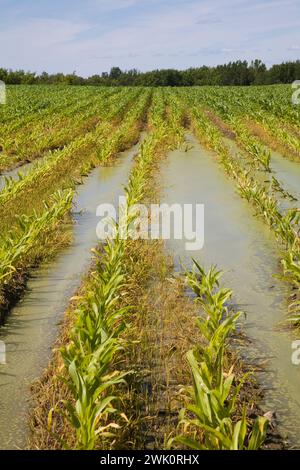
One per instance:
(32,326)
(246,250)
(288,173)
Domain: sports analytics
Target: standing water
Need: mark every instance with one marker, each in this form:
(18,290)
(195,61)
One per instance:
(32,326)
(21,170)
(244,247)
(288,173)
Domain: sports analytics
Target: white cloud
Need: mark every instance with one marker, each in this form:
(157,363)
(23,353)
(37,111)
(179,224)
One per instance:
(40,32)
(166,35)
(36,41)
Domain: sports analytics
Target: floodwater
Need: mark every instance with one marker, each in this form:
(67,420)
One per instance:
(242,246)
(32,326)
(288,173)
(21,170)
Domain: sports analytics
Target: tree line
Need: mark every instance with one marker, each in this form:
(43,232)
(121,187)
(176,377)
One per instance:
(233,73)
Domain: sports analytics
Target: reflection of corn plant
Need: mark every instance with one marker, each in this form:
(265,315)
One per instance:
(208,419)
(276,186)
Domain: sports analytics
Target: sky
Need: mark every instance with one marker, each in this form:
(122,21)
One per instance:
(91,36)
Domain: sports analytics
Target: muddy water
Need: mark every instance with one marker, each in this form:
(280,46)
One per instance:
(241,245)
(24,170)
(32,326)
(288,173)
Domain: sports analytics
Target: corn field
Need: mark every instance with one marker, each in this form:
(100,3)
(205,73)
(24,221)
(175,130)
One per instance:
(107,350)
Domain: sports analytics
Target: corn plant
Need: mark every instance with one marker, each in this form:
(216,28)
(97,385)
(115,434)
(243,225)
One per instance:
(95,342)
(276,186)
(291,269)
(91,376)
(209,419)
(55,160)
(16,246)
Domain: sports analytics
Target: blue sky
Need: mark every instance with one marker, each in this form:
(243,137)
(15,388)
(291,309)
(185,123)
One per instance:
(91,36)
